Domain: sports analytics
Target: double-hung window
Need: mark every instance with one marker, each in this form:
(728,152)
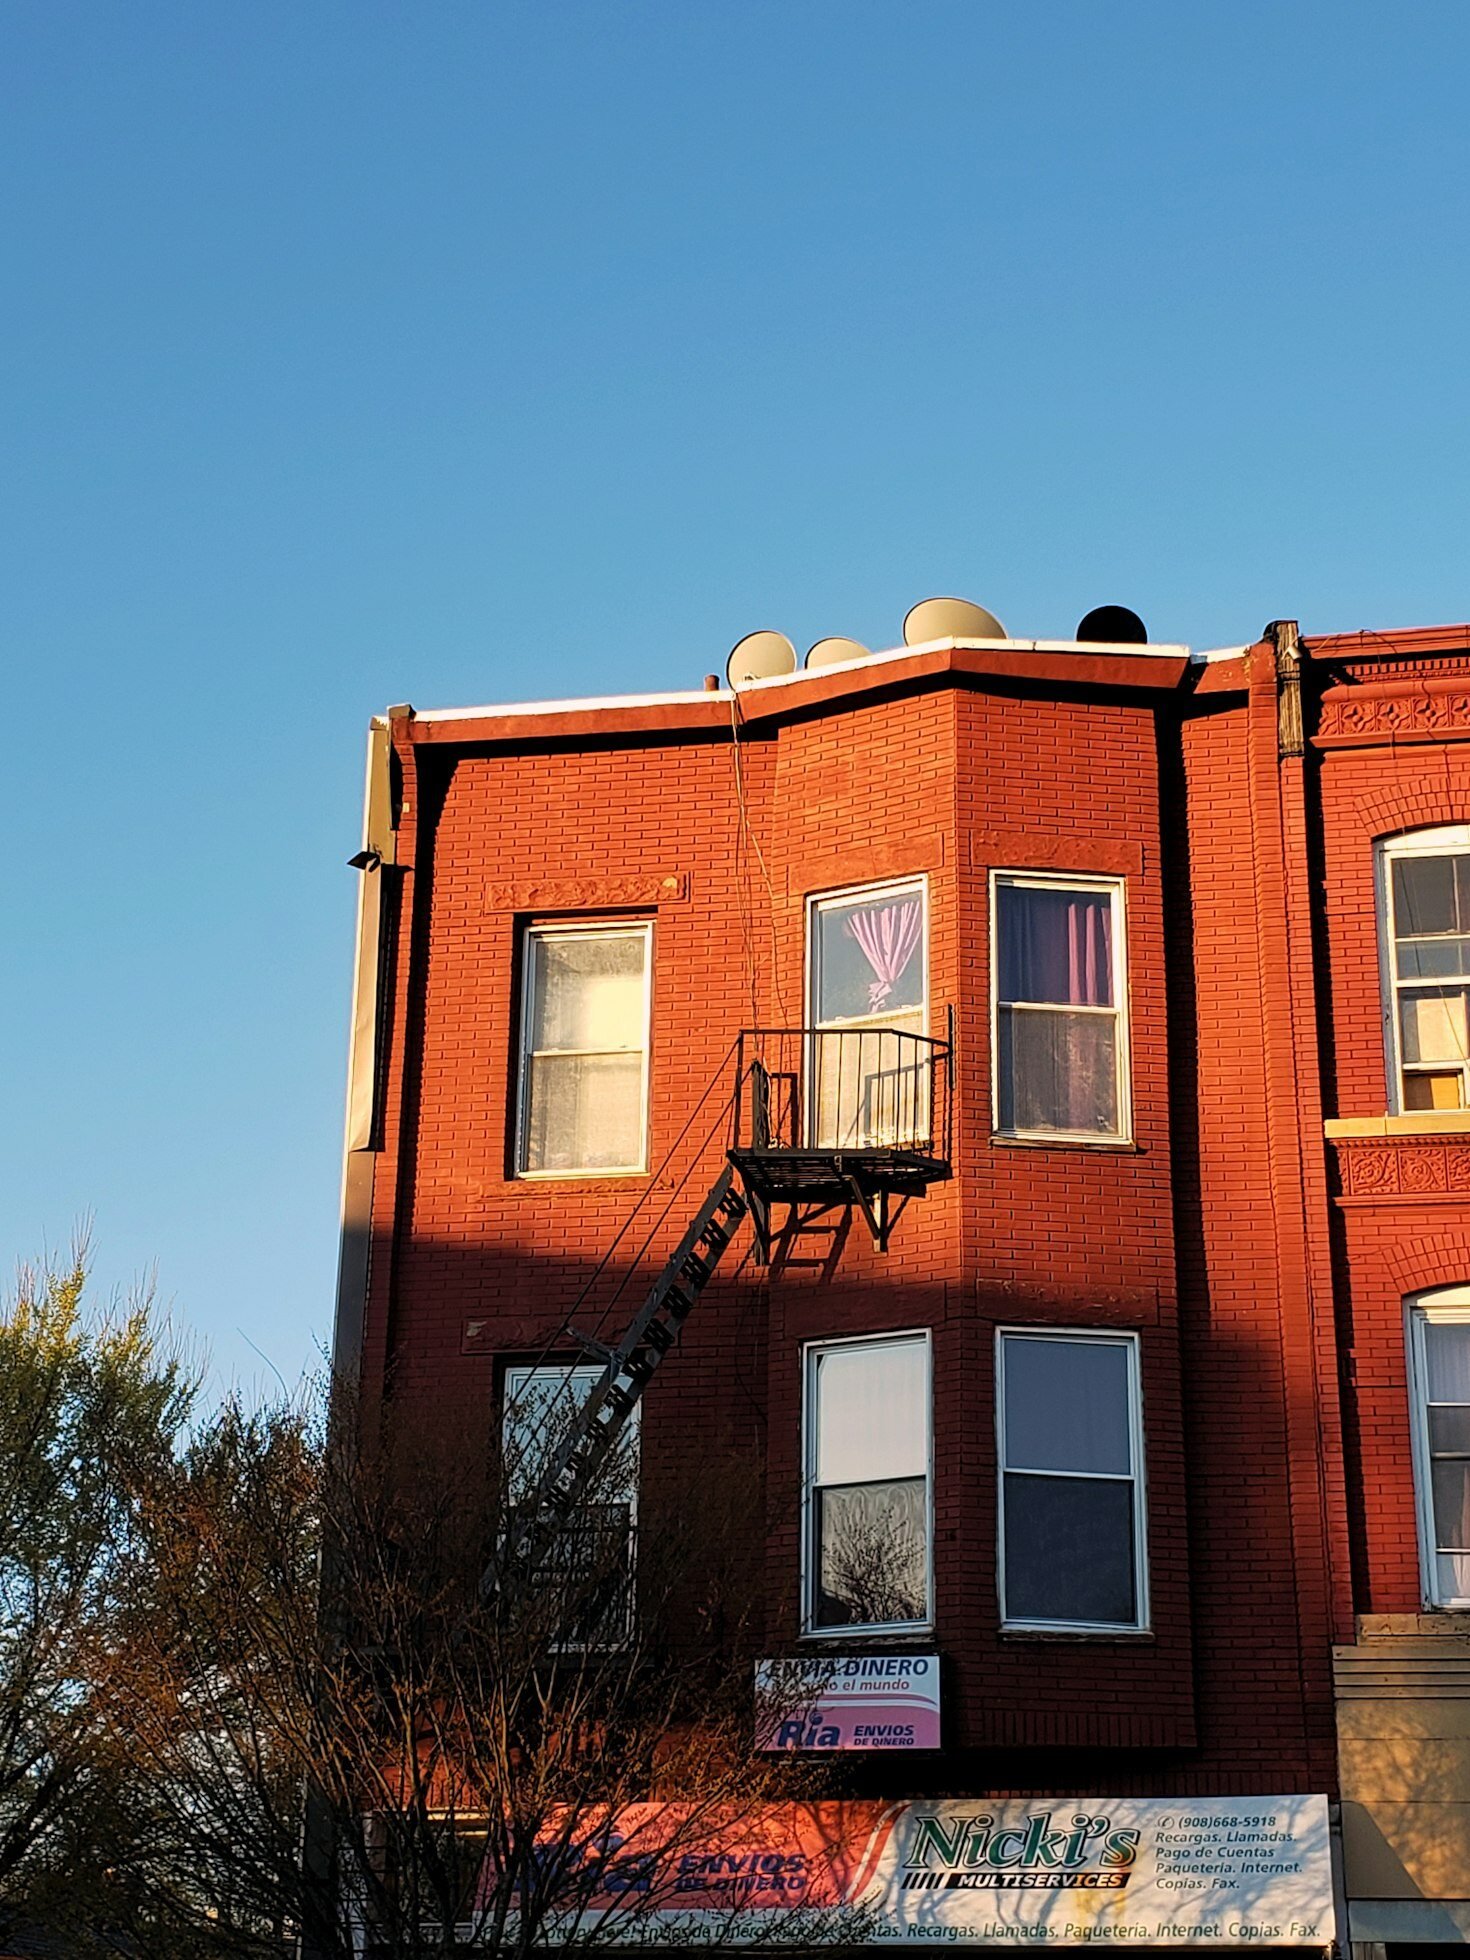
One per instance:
(1439,1388)
(1071,1481)
(868,1076)
(867,1505)
(584,1050)
(1424,905)
(589,1565)
(1060,1046)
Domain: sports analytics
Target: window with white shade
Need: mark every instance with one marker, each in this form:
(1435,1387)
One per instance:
(1060,1049)
(591,1560)
(1071,1498)
(867,1484)
(1439,1386)
(869,990)
(1424,907)
(584,1052)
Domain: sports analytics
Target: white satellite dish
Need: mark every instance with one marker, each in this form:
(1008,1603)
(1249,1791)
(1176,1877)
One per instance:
(827,653)
(950,619)
(760,657)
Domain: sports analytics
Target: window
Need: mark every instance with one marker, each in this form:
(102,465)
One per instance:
(869,984)
(1060,1046)
(1071,1499)
(867,1484)
(1439,1391)
(592,1559)
(584,1058)
(1424,904)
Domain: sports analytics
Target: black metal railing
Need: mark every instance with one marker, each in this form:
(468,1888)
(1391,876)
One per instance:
(865,1089)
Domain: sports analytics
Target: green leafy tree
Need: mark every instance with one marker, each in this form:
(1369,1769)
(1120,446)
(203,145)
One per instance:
(90,1406)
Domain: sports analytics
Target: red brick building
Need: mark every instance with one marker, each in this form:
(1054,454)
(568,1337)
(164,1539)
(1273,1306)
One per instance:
(1111,1150)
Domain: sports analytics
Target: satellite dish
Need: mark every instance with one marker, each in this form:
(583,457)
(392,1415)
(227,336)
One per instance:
(827,653)
(760,657)
(950,619)
(1114,624)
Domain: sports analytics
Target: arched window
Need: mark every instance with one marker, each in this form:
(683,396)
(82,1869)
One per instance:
(1439,1395)
(1424,935)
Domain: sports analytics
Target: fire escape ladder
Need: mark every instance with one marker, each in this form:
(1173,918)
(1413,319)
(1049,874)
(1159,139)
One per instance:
(592,1436)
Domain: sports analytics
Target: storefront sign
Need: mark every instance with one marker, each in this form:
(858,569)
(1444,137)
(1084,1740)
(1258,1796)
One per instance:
(848,1701)
(1218,1872)
(1210,1871)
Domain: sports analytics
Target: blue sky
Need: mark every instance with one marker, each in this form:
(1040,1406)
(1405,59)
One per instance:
(356,353)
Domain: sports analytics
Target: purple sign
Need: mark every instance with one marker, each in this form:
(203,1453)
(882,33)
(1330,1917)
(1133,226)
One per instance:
(848,1701)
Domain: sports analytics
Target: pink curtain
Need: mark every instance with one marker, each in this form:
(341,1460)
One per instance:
(888,935)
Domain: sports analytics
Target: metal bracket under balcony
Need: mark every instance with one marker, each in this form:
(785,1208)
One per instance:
(841,1116)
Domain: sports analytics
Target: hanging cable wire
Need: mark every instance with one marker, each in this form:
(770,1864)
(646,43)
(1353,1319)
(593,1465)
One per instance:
(746,836)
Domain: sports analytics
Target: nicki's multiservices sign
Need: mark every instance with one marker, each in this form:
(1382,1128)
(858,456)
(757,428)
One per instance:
(1210,1871)
(848,1701)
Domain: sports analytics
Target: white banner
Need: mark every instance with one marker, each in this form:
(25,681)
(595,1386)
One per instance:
(1206,1871)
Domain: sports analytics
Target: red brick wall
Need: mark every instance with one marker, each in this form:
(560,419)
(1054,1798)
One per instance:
(1258,1350)
(1177,1238)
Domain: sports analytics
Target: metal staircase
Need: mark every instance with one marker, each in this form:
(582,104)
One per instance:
(571,1474)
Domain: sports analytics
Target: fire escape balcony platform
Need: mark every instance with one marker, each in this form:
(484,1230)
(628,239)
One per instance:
(887,1092)
(782,1175)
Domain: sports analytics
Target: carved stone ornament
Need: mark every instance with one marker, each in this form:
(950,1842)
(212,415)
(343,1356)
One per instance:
(1408,1169)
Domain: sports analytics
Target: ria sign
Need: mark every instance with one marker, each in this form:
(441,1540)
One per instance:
(848,1701)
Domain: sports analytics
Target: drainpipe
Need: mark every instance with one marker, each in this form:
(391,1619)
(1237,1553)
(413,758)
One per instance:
(361,1144)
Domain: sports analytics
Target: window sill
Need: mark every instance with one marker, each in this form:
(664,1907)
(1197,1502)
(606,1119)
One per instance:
(1012,1139)
(1436,1622)
(1077,1636)
(577,1177)
(1416,1123)
(905,1639)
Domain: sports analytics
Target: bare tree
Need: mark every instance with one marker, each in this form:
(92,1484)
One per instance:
(564,1761)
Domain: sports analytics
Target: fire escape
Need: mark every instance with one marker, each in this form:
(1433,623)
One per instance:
(820,1119)
(827,1117)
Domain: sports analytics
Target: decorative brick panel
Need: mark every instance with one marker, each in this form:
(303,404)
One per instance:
(1400,1168)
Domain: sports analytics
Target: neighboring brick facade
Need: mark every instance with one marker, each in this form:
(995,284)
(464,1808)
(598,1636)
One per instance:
(1388,752)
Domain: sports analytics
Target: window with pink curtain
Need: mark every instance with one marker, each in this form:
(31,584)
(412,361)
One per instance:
(1059,1034)
(867,1083)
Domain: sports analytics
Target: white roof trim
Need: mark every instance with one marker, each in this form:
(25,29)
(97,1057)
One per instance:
(1206,655)
(685,696)
(582,704)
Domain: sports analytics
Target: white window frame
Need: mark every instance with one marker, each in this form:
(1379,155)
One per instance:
(1443,840)
(513,1380)
(1445,1303)
(816,904)
(1098,1336)
(810,1559)
(599,928)
(1117,890)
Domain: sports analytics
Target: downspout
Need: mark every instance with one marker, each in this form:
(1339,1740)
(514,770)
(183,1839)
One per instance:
(364,1061)
(321,1933)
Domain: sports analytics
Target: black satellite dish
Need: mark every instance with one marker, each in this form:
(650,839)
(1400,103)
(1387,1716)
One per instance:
(1116,625)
